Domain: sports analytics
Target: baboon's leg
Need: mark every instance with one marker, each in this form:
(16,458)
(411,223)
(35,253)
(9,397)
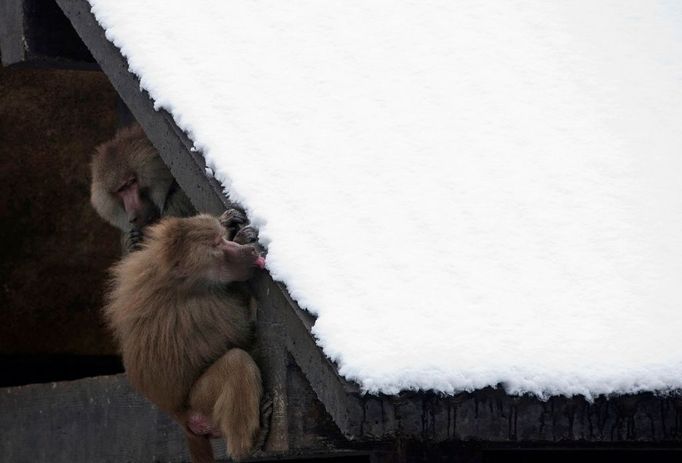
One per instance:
(230,393)
(200,449)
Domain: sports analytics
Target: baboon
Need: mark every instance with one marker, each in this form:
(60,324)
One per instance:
(132,187)
(185,331)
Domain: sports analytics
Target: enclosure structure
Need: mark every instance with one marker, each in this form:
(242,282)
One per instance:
(316,412)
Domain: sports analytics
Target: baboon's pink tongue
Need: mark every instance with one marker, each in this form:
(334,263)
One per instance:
(260,262)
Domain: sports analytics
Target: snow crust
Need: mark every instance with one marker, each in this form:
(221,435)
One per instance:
(465,193)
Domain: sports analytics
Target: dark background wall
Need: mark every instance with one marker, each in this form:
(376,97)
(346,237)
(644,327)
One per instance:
(54,250)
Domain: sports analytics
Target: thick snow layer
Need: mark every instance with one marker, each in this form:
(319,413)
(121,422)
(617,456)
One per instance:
(465,193)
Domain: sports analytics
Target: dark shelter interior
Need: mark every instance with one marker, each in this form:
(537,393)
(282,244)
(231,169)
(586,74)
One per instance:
(55,249)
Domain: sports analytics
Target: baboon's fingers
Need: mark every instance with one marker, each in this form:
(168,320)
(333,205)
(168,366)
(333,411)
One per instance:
(246,235)
(135,237)
(233,218)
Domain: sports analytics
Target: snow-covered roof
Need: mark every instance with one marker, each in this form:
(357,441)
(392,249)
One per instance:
(464,193)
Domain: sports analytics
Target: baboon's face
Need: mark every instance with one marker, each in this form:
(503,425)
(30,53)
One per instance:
(130,182)
(217,258)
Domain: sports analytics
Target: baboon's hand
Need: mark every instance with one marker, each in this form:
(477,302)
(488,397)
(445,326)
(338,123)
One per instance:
(134,240)
(247,235)
(233,218)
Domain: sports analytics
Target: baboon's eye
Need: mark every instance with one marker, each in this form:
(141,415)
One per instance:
(127,184)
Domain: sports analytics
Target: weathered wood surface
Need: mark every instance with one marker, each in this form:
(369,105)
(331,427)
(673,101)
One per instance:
(36,33)
(488,415)
(12,46)
(103,419)
(91,420)
(494,416)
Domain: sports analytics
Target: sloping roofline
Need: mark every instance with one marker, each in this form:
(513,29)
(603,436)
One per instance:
(285,329)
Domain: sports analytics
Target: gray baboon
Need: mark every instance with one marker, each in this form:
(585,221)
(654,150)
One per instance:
(132,187)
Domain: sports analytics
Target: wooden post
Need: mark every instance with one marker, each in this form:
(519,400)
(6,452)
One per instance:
(273,361)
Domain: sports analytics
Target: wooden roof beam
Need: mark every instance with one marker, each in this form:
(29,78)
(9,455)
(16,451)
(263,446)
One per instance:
(35,33)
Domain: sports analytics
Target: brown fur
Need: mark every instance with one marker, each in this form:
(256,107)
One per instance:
(131,155)
(225,392)
(184,329)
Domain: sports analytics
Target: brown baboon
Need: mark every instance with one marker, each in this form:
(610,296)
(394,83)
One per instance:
(185,329)
(132,187)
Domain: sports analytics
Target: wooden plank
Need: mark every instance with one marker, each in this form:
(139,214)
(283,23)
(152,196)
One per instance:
(279,317)
(494,416)
(339,397)
(104,420)
(35,33)
(12,41)
(97,419)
